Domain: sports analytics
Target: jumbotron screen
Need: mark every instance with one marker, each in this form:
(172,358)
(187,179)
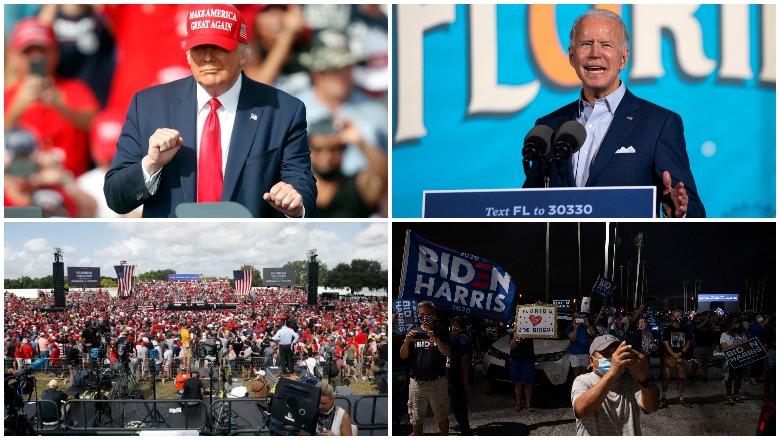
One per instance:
(281,276)
(83,276)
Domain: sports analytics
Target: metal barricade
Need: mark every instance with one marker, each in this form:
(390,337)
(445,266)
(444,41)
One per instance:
(370,414)
(240,416)
(33,410)
(111,416)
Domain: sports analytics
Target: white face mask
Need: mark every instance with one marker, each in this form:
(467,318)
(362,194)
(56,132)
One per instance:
(760,319)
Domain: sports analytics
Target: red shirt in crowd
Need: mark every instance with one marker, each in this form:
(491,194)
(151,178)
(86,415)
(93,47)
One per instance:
(148,46)
(55,130)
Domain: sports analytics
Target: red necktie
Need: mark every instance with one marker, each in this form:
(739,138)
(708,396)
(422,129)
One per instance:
(210,157)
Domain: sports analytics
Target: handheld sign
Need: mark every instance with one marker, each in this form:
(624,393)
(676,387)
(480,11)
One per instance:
(536,321)
(456,281)
(745,353)
(406,318)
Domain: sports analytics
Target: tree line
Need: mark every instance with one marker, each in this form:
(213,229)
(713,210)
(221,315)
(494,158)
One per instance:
(355,276)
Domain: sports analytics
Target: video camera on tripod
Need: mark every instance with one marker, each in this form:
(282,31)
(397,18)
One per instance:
(209,349)
(16,386)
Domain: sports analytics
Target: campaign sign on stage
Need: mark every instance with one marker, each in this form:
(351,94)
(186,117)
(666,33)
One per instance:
(84,276)
(456,281)
(536,321)
(601,202)
(406,318)
(745,353)
(183,277)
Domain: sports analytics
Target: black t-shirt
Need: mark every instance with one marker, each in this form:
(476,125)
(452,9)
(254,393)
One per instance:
(427,362)
(460,346)
(524,352)
(50,413)
(193,388)
(73,355)
(677,337)
(705,336)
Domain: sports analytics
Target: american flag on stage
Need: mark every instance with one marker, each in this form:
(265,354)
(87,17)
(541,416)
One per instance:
(243,279)
(124,276)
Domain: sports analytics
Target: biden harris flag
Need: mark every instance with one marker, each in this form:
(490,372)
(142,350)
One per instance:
(456,281)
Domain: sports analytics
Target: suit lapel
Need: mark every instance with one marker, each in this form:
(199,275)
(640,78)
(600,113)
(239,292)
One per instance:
(183,118)
(626,118)
(248,116)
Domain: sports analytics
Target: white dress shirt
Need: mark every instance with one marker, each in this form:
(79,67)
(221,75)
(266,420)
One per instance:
(227,116)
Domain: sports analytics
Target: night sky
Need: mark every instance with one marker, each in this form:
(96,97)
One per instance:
(722,255)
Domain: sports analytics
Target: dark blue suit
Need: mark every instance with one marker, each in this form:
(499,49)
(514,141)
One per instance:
(268,145)
(655,133)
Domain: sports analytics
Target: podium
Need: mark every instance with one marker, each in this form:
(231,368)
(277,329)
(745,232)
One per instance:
(596,202)
(212,210)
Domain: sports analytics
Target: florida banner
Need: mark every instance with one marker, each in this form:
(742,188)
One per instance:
(456,281)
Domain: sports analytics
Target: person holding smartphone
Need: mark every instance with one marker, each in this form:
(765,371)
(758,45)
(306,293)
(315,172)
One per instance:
(60,110)
(427,347)
(578,334)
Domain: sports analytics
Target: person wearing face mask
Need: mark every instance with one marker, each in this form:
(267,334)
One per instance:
(607,400)
(647,338)
(427,347)
(732,377)
(331,419)
(677,342)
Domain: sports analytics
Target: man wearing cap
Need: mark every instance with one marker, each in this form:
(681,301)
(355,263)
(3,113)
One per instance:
(50,413)
(427,347)
(60,110)
(333,97)
(607,400)
(215,136)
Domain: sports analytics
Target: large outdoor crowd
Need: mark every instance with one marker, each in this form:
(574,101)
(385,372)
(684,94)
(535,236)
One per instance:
(350,331)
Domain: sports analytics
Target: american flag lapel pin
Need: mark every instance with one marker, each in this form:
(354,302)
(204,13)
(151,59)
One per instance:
(630,118)
(253,117)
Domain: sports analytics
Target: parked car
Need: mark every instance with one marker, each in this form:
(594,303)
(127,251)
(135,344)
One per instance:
(552,358)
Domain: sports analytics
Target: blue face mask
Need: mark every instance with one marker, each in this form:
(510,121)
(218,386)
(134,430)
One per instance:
(604,365)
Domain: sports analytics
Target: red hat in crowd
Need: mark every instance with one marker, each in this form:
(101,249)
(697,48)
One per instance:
(220,25)
(32,32)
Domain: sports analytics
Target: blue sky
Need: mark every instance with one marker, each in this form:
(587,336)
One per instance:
(207,248)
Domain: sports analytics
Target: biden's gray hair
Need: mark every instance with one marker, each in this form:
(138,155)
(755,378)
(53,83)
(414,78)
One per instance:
(600,13)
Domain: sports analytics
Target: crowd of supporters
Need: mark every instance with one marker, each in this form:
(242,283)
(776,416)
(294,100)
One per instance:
(71,72)
(350,332)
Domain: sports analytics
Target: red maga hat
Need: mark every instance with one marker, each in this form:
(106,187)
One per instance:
(32,32)
(220,25)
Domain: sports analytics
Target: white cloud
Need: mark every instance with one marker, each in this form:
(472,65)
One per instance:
(36,245)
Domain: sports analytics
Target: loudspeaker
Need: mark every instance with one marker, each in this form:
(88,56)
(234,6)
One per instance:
(295,404)
(314,269)
(58,276)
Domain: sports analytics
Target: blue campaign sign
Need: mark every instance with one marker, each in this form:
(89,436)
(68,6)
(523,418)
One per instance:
(183,277)
(622,202)
(719,297)
(456,281)
(405,310)
(562,304)
(469,81)
(745,353)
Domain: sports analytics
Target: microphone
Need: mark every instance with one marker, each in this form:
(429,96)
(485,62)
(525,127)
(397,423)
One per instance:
(537,142)
(568,139)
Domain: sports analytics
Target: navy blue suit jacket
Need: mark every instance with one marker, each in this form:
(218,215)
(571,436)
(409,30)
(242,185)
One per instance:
(268,145)
(655,133)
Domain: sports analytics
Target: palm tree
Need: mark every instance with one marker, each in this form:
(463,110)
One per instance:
(696,289)
(639,241)
(685,293)
(747,281)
